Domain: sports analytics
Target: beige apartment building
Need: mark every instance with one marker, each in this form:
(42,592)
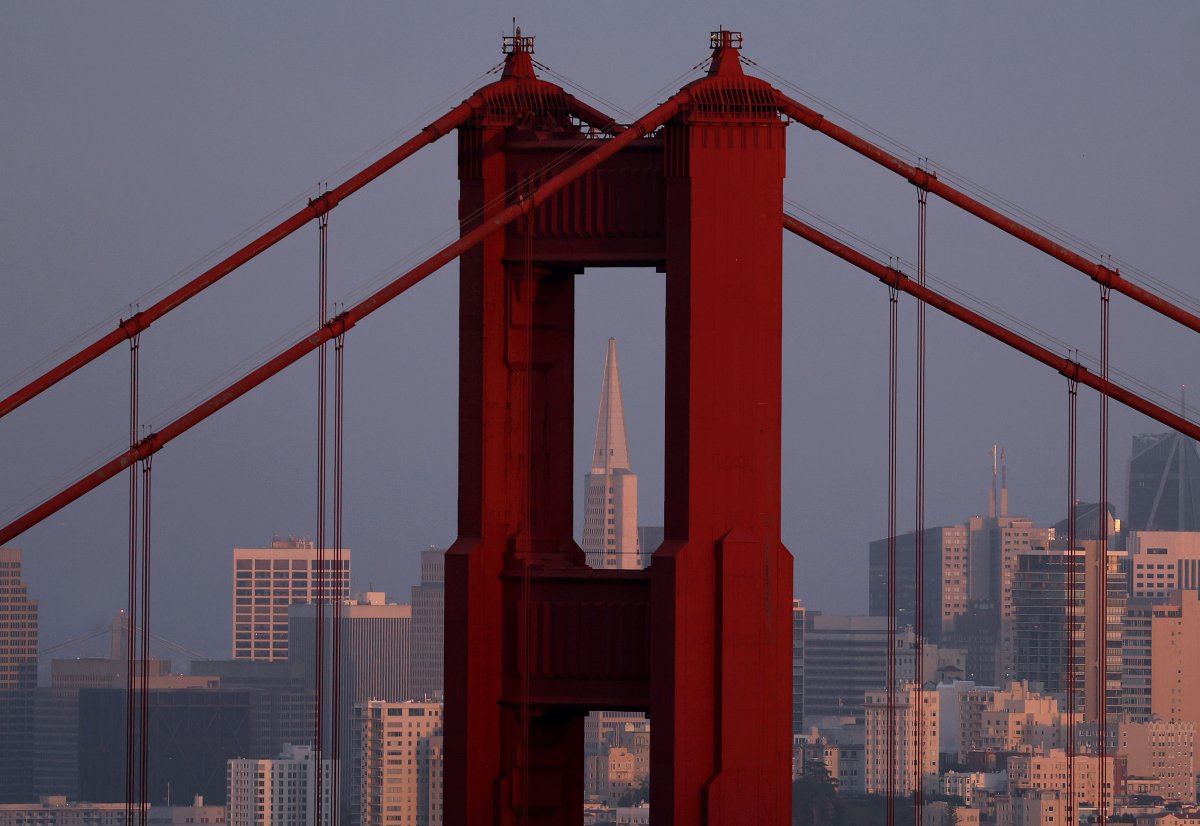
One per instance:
(283,791)
(916,741)
(1011,719)
(1048,773)
(1161,659)
(1162,561)
(399,764)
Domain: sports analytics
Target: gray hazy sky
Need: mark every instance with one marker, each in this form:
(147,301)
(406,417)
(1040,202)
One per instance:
(137,138)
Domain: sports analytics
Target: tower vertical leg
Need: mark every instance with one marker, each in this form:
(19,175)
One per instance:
(721,583)
(507,760)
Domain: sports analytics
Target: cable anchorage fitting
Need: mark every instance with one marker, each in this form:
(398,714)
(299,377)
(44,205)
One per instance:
(921,178)
(132,327)
(323,203)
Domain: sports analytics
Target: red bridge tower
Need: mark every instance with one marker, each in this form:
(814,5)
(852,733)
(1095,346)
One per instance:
(701,641)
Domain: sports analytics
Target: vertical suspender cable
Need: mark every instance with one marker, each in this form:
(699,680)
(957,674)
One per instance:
(339,577)
(320,581)
(144,693)
(1101,630)
(1073,582)
(131,615)
(890,757)
(919,543)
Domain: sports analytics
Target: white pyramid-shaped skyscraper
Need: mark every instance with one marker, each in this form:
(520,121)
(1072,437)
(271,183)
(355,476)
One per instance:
(610,536)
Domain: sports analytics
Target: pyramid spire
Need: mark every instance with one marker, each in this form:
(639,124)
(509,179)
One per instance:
(611,450)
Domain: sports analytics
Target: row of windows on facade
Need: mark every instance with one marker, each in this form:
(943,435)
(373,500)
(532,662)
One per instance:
(286,564)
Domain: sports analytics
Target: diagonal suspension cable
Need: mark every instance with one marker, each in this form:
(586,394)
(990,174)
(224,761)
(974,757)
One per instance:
(347,319)
(1099,272)
(142,319)
(1067,367)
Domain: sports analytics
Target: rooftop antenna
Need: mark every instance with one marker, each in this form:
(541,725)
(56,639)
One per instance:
(992,489)
(1003,485)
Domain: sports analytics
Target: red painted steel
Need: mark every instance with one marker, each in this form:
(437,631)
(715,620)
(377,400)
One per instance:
(721,582)
(130,327)
(702,640)
(1071,369)
(518,596)
(924,179)
(338,325)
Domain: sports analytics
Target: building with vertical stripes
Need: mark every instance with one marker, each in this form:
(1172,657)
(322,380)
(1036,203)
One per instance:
(428,628)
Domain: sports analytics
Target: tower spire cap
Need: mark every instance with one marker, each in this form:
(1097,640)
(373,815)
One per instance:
(518,53)
(725,60)
(611,449)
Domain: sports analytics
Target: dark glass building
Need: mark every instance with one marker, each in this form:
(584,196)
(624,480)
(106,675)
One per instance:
(1164,484)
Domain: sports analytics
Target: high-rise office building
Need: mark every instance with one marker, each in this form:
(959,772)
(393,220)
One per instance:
(375,646)
(610,529)
(398,764)
(18,625)
(1164,484)
(18,679)
(1161,671)
(428,628)
(56,709)
(844,657)
(798,622)
(967,580)
(1040,598)
(944,579)
(268,580)
(279,792)
(192,733)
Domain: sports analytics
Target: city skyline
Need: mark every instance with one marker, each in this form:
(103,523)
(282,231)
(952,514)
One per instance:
(90,70)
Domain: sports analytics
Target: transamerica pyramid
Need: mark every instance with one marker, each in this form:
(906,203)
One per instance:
(610,537)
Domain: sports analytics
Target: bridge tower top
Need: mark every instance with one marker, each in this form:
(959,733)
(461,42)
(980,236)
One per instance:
(518,54)
(725,45)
